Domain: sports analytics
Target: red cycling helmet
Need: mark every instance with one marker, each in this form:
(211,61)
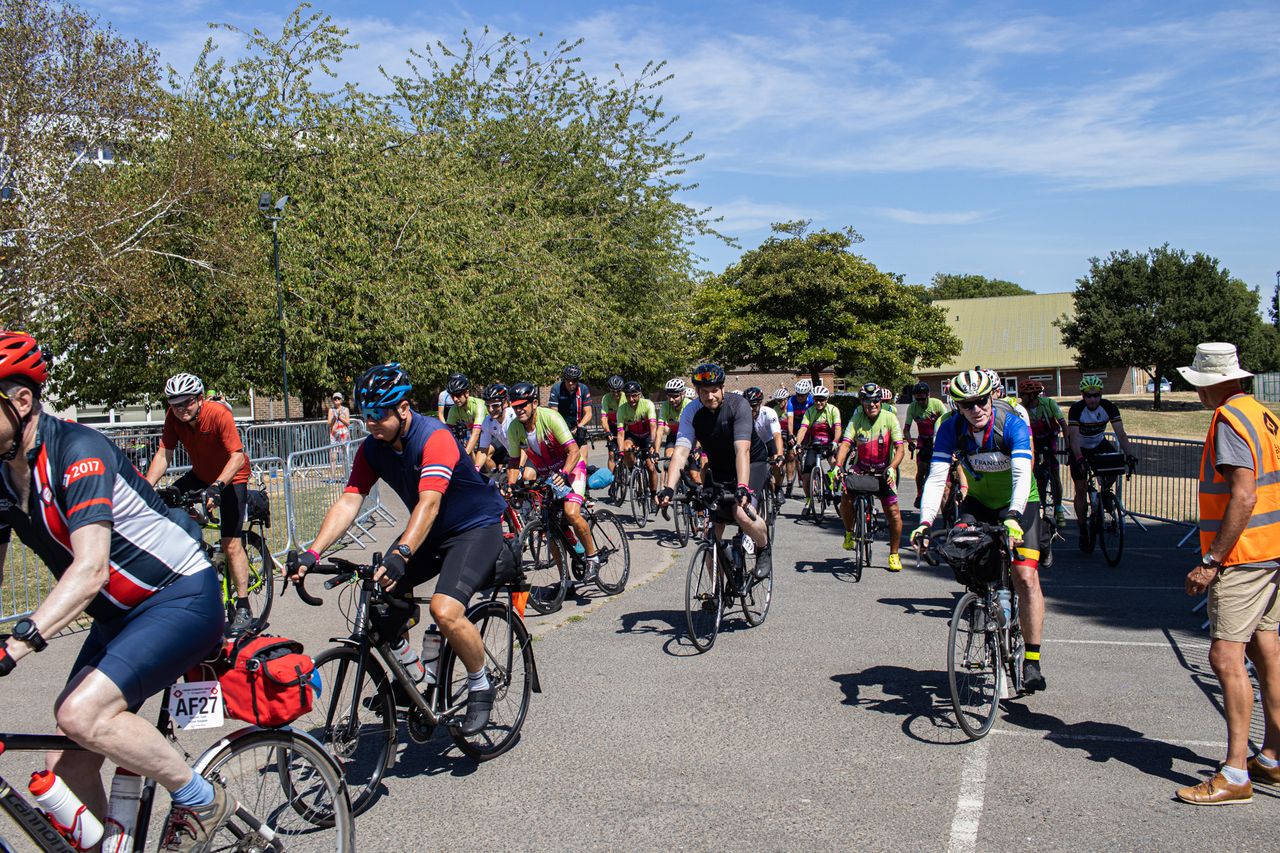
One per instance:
(21,359)
(1031,386)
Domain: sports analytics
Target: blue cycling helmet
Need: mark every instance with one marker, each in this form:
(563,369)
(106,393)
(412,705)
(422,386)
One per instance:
(382,387)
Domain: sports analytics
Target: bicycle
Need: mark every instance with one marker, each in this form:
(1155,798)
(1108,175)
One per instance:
(289,792)
(260,589)
(953,496)
(639,488)
(984,644)
(367,690)
(718,573)
(820,492)
(864,488)
(1049,501)
(1104,523)
(548,537)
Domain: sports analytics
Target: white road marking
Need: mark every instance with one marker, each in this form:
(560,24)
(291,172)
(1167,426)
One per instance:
(1213,744)
(973,783)
(1147,643)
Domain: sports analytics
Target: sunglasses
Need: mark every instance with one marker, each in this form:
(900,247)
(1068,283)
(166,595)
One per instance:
(181,402)
(706,377)
(520,406)
(375,414)
(1094,395)
(970,405)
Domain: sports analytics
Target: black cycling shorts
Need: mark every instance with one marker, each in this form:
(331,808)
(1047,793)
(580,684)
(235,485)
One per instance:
(974,510)
(643,443)
(756,479)
(811,454)
(1078,469)
(234,509)
(500,454)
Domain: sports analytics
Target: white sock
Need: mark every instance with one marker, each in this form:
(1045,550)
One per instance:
(1267,762)
(478,680)
(1234,775)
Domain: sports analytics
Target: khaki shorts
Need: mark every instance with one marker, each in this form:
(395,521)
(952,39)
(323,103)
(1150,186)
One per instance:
(1243,601)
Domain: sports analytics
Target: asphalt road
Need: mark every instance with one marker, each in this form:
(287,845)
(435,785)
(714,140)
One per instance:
(828,727)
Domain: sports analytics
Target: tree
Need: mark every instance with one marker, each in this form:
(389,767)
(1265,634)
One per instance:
(952,286)
(804,300)
(1151,309)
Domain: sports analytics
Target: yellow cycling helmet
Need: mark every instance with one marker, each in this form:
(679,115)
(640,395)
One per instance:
(971,385)
(1091,383)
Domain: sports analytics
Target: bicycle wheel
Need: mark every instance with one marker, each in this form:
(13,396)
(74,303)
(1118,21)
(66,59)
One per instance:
(288,793)
(1111,527)
(680,520)
(1097,534)
(508,659)
(354,718)
(817,495)
(755,604)
(869,529)
(860,560)
(615,555)
(261,574)
(544,569)
(973,667)
(639,494)
(703,598)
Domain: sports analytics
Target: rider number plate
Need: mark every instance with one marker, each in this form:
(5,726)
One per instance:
(196,705)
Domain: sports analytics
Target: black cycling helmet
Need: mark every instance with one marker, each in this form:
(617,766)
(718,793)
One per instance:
(571,372)
(614,382)
(708,374)
(754,396)
(632,387)
(920,388)
(458,382)
(522,392)
(870,392)
(381,387)
(495,393)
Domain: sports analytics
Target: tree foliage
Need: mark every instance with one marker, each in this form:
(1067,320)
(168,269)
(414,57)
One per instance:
(953,286)
(804,300)
(1150,309)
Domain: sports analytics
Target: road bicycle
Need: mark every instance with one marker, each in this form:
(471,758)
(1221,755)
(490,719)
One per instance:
(368,691)
(821,495)
(1104,523)
(719,574)
(262,565)
(638,489)
(551,557)
(289,792)
(863,490)
(984,645)
(1050,499)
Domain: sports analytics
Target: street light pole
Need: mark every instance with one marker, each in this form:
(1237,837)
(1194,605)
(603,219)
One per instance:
(274,212)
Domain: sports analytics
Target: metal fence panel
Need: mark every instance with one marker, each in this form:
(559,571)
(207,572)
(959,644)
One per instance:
(1266,387)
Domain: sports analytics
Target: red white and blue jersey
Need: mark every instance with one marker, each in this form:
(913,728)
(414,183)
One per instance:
(78,477)
(569,405)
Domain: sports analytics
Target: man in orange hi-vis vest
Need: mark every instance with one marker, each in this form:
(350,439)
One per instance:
(1240,541)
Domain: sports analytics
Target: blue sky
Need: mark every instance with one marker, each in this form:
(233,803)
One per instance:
(1014,140)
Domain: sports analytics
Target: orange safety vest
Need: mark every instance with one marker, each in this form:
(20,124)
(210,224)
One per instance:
(1260,428)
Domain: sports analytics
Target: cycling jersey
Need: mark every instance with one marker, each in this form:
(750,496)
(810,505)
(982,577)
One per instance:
(1092,423)
(1019,410)
(471,415)
(609,408)
(988,463)
(925,417)
(494,432)
(669,415)
(797,405)
(431,460)
(79,477)
(890,408)
(767,426)
(780,409)
(547,445)
(640,419)
(823,426)
(570,403)
(1044,418)
(717,431)
(873,440)
(210,438)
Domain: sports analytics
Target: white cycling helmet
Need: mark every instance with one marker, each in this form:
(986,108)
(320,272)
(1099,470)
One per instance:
(780,394)
(675,386)
(804,386)
(690,394)
(821,392)
(183,385)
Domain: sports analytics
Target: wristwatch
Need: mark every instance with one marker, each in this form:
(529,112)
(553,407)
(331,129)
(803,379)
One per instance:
(1209,562)
(26,631)
(404,550)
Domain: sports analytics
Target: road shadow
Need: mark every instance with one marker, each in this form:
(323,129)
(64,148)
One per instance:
(436,756)
(672,625)
(1103,742)
(920,697)
(938,608)
(838,567)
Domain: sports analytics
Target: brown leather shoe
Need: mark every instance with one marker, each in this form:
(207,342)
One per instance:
(1217,792)
(1265,775)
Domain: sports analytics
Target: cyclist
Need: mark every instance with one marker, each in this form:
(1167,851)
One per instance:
(572,399)
(492,447)
(997,392)
(770,431)
(219,468)
(798,404)
(466,416)
(669,415)
(1047,423)
(886,401)
(819,430)
(637,427)
(875,438)
(923,414)
(995,452)
(779,406)
(1087,422)
(609,402)
(541,438)
(722,425)
(134,565)
(454,531)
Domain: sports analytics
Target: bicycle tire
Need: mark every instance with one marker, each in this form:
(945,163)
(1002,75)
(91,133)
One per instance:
(639,497)
(1113,542)
(509,663)
(312,812)
(360,735)
(816,496)
(755,604)
(261,586)
(703,598)
(611,545)
(1096,533)
(859,534)
(974,667)
(547,574)
(680,520)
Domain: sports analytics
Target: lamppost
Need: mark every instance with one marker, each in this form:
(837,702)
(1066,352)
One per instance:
(273,212)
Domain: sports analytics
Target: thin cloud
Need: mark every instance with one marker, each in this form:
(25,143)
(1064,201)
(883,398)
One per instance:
(920,217)
(741,215)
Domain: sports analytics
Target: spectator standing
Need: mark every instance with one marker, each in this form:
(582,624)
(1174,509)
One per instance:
(339,430)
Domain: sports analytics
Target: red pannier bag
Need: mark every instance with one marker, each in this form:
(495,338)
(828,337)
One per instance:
(265,680)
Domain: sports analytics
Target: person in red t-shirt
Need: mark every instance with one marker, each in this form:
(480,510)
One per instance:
(219,467)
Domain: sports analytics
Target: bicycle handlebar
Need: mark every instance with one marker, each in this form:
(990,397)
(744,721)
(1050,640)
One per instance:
(708,498)
(342,571)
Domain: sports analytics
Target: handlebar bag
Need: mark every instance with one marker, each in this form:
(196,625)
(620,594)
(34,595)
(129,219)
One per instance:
(266,681)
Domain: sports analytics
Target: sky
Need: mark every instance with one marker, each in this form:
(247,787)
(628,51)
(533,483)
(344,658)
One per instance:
(1011,140)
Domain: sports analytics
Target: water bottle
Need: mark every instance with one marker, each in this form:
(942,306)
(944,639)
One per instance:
(68,815)
(431,642)
(573,540)
(409,659)
(1006,605)
(122,812)
(561,491)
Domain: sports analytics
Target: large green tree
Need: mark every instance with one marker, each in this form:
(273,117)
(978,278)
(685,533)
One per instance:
(953,286)
(804,300)
(1151,308)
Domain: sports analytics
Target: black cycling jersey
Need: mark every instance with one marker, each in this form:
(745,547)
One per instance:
(717,431)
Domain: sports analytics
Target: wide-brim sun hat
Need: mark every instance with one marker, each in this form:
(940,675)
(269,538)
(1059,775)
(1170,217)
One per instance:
(1214,364)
